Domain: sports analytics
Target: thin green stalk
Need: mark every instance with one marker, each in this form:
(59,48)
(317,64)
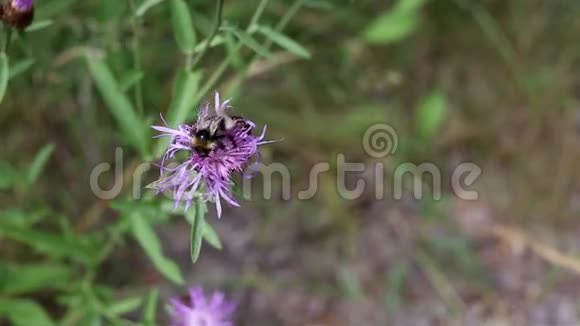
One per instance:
(218,73)
(259,11)
(137,59)
(290,14)
(212,81)
(216,27)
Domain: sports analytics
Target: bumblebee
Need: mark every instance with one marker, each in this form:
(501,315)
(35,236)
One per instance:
(217,132)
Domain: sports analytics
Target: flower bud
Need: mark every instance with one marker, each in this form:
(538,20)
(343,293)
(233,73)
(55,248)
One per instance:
(17,13)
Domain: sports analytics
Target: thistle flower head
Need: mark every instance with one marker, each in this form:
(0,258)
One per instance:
(22,5)
(200,310)
(227,147)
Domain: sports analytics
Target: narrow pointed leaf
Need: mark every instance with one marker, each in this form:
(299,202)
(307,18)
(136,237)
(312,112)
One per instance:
(20,67)
(395,24)
(125,306)
(391,27)
(28,278)
(182,26)
(247,40)
(42,24)
(182,104)
(24,312)
(431,114)
(147,238)
(211,236)
(50,243)
(197,219)
(118,103)
(130,79)
(38,163)
(4,74)
(284,42)
(150,309)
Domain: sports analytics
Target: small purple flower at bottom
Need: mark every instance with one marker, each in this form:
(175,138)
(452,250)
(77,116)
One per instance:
(199,310)
(217,146)
(22,5)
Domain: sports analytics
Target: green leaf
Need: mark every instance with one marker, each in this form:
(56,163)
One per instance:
(151,307)
(182,106)
(431,114)
(182,26)
(247,40)
(234,52)
(21,218)
(211,236)
(130,79)
(145,6)
(20,67)
(395,24)
(125,306)
(182,103)
(19,279)
(41,24)
(147,238)
(50,243)
(118,103)
(4,74)
(38,163)
(196,217)
(217,40)
(284,41)
(23,312)
(8,175)
(391,27)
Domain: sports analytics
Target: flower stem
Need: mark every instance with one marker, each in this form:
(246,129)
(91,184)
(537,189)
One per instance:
(259,11)
(214,31)
(137,59)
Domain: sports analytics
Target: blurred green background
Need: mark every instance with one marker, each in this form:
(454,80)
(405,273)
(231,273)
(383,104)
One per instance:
(490,82)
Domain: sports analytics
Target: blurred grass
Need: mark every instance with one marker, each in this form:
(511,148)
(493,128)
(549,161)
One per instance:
(495,82)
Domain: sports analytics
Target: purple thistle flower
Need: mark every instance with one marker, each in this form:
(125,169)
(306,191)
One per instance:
(200,310)
(22,5)
(207,174)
